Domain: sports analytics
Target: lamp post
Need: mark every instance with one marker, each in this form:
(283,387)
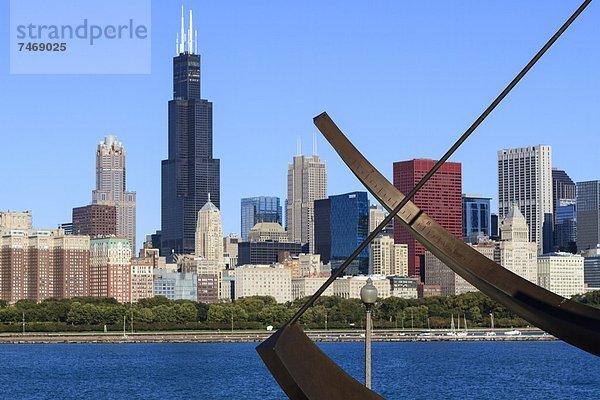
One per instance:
(368,295)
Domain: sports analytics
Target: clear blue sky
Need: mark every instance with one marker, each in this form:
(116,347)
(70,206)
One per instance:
(402,79)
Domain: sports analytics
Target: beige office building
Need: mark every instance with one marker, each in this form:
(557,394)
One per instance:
(388,258)
(516,252)
(209,262)
(111,187)
(561,273)
(307,182)
(264,280)
(209,233)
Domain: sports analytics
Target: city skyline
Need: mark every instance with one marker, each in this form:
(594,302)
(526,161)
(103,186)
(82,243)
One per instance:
(536,115)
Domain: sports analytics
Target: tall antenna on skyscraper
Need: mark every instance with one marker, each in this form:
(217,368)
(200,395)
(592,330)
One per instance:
(298,146)
(190,35)
(314,144)
(177,45)
(196,42)
(182,43)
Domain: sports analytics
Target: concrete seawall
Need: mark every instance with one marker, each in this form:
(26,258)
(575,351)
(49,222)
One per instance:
(254,336)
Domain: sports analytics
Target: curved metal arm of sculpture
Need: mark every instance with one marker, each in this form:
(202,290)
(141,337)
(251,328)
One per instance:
(299,366)
(573,322)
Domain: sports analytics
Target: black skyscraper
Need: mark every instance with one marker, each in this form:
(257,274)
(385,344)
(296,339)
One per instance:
(190,173)
(323,229)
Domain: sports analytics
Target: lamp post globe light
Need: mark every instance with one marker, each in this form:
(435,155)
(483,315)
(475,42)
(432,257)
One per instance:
(368,295)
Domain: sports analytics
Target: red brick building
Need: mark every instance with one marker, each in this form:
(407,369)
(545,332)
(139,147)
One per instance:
(440,198)
(95,220)
(38,265)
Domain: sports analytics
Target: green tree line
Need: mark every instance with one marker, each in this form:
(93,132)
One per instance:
(159,313)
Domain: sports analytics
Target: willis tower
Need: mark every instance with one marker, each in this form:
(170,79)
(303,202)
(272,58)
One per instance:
(190,173)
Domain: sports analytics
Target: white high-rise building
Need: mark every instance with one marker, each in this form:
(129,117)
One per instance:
(525,179)
(561,273)
(388,258)
(111,187)
(516,252)
(307,182)
(209,233)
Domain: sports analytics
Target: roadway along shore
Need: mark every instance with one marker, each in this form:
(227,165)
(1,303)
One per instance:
(259,336)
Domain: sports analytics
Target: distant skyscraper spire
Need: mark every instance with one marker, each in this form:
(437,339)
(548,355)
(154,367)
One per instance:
(314,144)
(182,43)
(298,145)
(190,35)
(187,41)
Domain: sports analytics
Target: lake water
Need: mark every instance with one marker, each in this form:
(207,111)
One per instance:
(421,370)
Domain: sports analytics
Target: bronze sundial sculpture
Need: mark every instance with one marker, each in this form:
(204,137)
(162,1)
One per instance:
(304,372)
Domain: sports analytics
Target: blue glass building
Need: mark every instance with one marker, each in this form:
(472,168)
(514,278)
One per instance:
(349,227)
(477,219)
(259,209)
